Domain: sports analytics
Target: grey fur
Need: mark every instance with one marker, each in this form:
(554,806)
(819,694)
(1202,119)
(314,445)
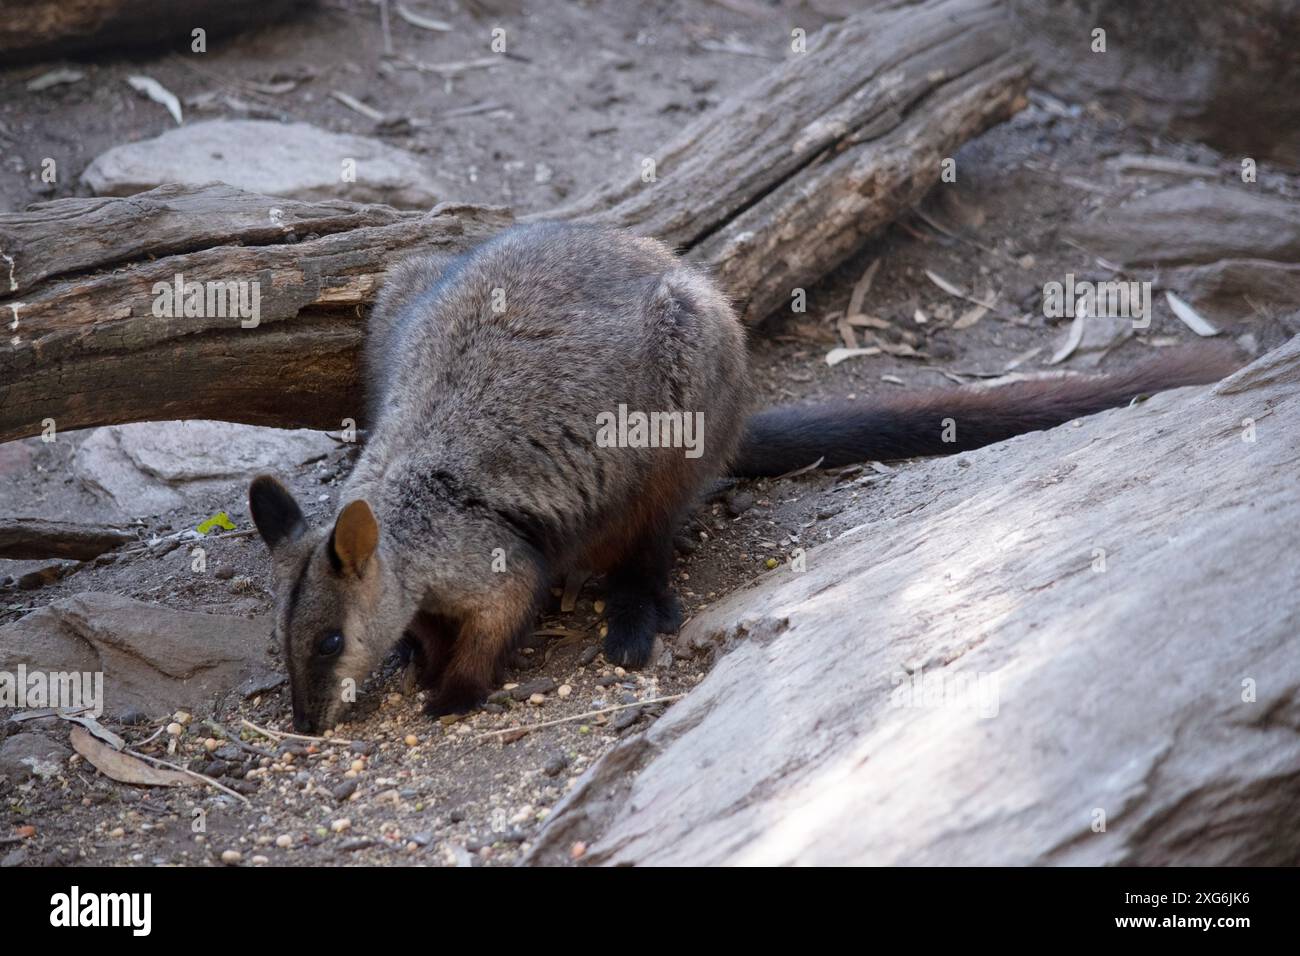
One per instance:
(483,445)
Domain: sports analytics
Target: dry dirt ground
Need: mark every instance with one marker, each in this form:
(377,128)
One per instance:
(597,83)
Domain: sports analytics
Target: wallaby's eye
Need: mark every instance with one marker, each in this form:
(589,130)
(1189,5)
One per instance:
(330,644)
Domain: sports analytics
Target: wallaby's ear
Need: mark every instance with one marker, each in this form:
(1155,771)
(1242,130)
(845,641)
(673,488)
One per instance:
(354,539)
(276,514)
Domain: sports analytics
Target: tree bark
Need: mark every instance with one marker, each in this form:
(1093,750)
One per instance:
(39,538)
(1083,625)
(770,191)
(46,29)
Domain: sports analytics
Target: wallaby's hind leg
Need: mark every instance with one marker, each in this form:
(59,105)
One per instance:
(640,602)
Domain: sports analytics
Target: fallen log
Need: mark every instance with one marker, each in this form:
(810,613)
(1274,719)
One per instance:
(23,538)
(1066,649)
(771,191)
(46,29)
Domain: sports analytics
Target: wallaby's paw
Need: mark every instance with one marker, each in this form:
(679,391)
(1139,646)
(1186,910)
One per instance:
(631,639)
(458,699)
(669,610)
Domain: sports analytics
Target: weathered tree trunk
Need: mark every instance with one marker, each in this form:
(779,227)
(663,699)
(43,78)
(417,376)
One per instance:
(39,538)
(1076,648)
(38,29)
(771,191)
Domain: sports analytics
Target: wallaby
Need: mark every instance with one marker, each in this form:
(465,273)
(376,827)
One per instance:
(492,466)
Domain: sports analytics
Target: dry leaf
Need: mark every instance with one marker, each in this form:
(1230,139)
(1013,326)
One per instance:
(123,767)
(945,285)
(847,334)
(862,287)
(158,93)
(54,78)
(1191,318)
(970,317)
(801,471)
(1021,359)
(352,103)
(424,23)
(836,356)
(1072,340)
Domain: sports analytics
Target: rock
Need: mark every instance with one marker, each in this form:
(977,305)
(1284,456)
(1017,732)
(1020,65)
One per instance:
(1195,223)
(295,160)
(27,755)
(625,718)
(541,685)
(153,659)
(42,576)
(344,790)
(1080,650)
(149,468)
(555,764)
(739,503)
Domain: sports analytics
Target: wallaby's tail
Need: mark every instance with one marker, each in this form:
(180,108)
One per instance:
(788,437)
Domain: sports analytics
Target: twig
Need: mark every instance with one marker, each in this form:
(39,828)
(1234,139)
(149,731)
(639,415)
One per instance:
(278,735)
(198,776)
(352,103)
(591,713)
(234,739)
(455,68)
(152,736)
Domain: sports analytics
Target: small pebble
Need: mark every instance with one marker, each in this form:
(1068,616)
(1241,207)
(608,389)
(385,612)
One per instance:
(211,745)
(565,690)
(231,857)
(555,765)
(175,729)
(344,790)
(412,740)
(537,700)
(284,841)
(260,860)
(343,823)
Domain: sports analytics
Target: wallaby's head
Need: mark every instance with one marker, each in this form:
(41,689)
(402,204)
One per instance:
(338,608)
